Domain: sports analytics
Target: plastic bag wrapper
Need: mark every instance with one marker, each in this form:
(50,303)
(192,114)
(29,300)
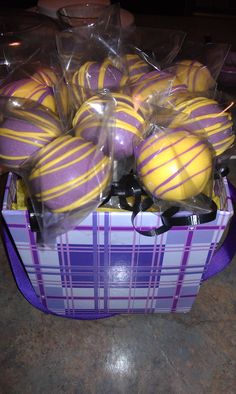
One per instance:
(25,128)
(69,177)
(155,46)
(227,77)
(198,65)
(23,34)
(91,57)
(175,168)
(125,125)
(209,118)
(32,68)
(156,88)
(41,82)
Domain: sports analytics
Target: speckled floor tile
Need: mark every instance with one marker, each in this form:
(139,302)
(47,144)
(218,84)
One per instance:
(190,353)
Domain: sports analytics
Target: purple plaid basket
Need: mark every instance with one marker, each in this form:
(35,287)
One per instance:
(104,267)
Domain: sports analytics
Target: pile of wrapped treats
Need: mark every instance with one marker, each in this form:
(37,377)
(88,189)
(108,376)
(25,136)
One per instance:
(66,131)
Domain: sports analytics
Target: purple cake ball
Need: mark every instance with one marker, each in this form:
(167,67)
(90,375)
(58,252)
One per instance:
(94,76)
(116,137)
(205,117)
(24,132)
(70,173)
(29,89)
(156,86)
(137,67)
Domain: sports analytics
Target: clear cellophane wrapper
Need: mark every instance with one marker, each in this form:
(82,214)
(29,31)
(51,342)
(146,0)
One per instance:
(124,100)
(188,139)
(158,47)
(71,176)
(30,68)
(198,65)
(25,127)
(94,65)
(92,59)
(175,167)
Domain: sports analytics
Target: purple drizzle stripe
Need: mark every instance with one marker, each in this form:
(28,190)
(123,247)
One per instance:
(209,256)
(63,273)
(130,228)
(95,258)
(106,259)
(132,281)
(33,248)
(150,278)
(123,298)
(159,264)
(182,271)
(68,263)
(155,153)
(17,225)
(185,167)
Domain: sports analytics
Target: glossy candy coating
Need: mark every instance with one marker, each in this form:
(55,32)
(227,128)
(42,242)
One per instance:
(25,132)
(116,137)
(205,117)
(29,89)
(174,165)
(195,75)
(70,173)
(93,76)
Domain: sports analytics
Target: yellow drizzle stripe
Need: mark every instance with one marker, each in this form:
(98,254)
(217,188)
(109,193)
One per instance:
(93,195)
(24,134)
(46,171)
(13,157)
(219,127)
(57,147)
(195,103)
(117,124)
(46,168)
(191,76)
(25,141)
(156,87)
(50,147)
(102,73)
(66,187)
(49,126)
(120,96)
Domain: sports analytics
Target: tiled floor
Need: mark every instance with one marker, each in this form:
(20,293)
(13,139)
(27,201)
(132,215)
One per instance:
(192,353)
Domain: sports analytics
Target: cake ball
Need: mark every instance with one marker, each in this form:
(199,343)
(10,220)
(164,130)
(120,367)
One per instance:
(70,173)
(116,137)
(155,87)
(93,77)
(32,90)
(137,67)
(45,76)
(206,118)
(24,132)
(175,165)
(194,74)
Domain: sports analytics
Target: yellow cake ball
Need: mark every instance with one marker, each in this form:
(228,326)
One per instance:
(195,75)
(175,165)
